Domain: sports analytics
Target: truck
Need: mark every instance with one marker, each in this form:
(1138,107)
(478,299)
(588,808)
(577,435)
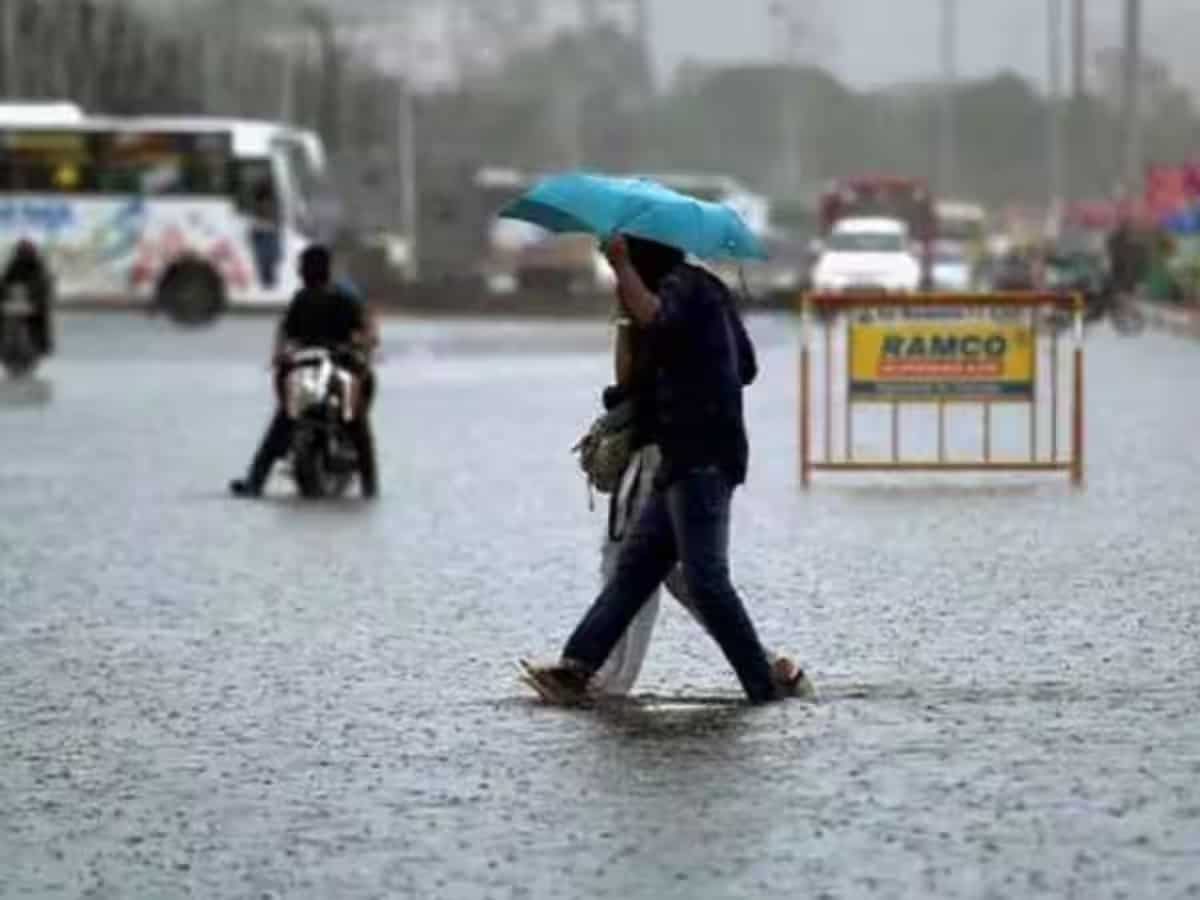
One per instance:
(885,196)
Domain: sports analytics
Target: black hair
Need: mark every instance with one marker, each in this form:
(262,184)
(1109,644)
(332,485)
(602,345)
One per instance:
(316,266)
(652,260)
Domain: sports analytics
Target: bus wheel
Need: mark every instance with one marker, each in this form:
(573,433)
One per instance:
(191,293)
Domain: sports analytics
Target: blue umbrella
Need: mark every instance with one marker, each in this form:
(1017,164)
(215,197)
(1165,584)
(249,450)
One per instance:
(606,206)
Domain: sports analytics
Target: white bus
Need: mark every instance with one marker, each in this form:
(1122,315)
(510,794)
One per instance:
(189,214)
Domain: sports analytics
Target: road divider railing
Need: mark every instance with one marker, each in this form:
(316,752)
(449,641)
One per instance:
(867,355)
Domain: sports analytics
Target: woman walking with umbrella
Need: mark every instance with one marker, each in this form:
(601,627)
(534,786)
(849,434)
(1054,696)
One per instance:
(699,372)
(635,370)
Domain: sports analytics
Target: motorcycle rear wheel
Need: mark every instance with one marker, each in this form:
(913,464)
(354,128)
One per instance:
(17,352)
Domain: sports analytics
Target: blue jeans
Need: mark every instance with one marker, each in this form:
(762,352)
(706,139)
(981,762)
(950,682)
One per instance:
(687,523)
(268,249)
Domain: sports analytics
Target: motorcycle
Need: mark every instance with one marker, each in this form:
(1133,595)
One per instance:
(1101,297)
(321,403)
(1126,317)
(18,351)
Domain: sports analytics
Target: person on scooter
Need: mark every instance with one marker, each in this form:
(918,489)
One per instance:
(27,269)
(320,315)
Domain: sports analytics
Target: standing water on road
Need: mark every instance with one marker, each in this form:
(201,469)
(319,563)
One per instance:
(218,699)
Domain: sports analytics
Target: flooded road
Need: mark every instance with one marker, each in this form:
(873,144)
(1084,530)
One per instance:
(212,698)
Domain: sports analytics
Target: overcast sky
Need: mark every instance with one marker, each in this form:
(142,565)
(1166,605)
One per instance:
(872,42)
(876,42)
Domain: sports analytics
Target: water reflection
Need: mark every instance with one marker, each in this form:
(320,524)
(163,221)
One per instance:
(25,393)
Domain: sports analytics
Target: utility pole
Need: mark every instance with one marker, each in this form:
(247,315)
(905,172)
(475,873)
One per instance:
(287,85)
(947,165)
(790,33)
(408,168)
(644,34)
(567,119)
(1079,49)
(232,19)
(1054,61)
(1131,99)
(330,111)
(8,9)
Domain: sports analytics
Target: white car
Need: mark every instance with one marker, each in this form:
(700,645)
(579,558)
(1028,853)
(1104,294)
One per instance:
(951,272)
(872,254)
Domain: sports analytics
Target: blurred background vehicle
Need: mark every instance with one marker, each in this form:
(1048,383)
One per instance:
(184,214)
(867,254)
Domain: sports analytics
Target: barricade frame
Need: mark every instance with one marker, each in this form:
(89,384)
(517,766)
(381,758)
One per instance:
(821,311)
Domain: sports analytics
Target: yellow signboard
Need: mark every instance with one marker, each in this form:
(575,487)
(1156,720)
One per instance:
(929,361)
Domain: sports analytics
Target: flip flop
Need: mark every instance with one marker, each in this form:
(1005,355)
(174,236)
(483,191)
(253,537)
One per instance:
(526,676)
(532,677)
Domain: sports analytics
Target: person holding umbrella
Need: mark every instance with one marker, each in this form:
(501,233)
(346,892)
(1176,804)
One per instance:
(701,369)
(635,369)
(702,361)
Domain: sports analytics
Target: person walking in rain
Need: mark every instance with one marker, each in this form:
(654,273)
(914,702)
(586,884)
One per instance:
(690,360)
(635,371)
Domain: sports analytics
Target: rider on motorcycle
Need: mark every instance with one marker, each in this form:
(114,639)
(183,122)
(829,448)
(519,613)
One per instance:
(27,268)
(320,315)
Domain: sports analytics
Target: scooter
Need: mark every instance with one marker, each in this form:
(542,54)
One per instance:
(18,351)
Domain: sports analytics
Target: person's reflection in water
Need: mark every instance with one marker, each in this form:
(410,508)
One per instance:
(25,393)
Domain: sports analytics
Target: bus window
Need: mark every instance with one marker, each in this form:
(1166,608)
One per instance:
(158,163)
(143,163)
(44,162)
(208,172)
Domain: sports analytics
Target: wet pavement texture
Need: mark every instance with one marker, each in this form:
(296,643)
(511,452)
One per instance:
(213,698)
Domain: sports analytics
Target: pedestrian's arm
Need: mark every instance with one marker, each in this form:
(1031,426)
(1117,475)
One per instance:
(625,354)
(638,300)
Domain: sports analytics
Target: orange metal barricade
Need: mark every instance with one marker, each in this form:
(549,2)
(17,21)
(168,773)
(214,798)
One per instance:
(940,350)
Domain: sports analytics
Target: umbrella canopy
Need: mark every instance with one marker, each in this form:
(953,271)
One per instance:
(606,206)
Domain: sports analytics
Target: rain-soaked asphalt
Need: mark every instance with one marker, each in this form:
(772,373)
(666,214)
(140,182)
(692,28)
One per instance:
(201,697)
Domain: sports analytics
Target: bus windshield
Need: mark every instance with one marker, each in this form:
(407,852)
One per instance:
(866,242)
(964,230)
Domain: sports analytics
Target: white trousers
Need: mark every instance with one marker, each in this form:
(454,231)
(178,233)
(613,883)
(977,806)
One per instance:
(624,664)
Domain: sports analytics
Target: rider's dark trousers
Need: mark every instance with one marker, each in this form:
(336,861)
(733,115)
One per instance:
(278,438)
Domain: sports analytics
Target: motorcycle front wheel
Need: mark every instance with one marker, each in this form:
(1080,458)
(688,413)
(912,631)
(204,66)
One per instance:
(310,466)
(317,472)
(17,352)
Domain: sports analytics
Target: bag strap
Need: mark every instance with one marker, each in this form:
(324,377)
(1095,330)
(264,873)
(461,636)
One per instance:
(614,504)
